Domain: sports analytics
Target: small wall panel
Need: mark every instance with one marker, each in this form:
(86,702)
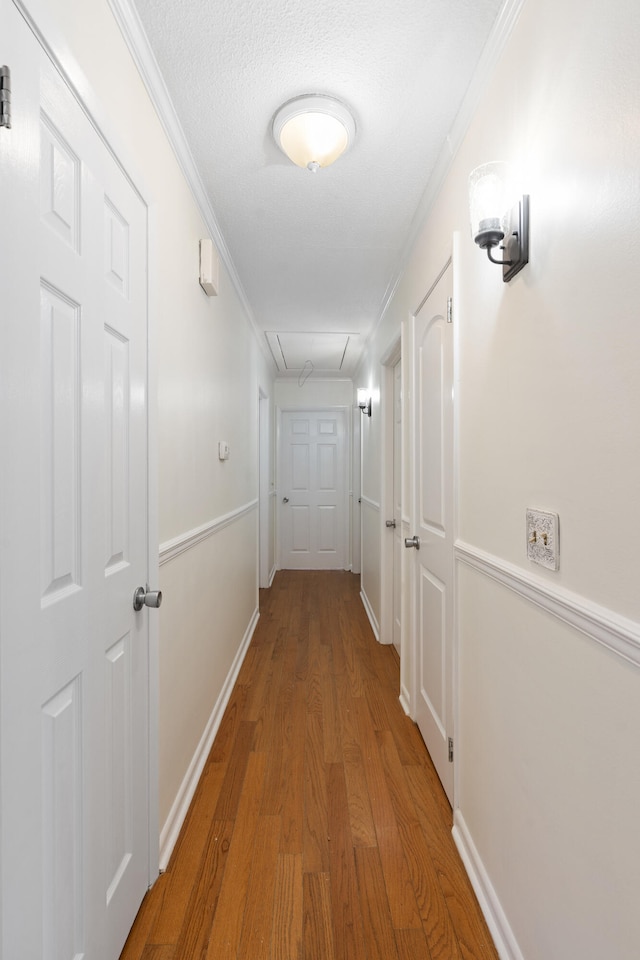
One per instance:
(300,529)
(117,448)
(327,465)
(60,425)
(119,761)
(326,518)
(62,911)
(116,249)
(300,466)
(59,184)
(432,651)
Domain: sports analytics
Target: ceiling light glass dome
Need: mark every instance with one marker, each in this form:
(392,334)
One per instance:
(313,131)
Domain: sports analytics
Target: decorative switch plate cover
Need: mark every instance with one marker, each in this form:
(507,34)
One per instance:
(543,541)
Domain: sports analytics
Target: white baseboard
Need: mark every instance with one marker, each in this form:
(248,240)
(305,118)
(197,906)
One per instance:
(503,937)
(405,700)
(173,824)
(272,574)
(372,620)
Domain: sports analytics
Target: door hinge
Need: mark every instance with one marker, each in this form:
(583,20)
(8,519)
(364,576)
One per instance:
(449,309)
(450,749)
(5,97)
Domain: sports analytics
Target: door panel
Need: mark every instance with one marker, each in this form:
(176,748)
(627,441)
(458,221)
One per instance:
(73,514)
(312,485)
(432,521)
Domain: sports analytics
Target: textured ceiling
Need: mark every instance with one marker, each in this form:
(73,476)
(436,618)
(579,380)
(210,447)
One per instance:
(317,252)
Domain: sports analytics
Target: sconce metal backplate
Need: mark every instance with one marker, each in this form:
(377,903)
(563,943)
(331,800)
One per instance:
(516,247)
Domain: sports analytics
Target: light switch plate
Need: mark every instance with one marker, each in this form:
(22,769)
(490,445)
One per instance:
(223,450)
(543,540)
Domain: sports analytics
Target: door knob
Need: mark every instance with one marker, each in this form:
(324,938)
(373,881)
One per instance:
(390,523)
(146,598)
(412,542)
(285,499)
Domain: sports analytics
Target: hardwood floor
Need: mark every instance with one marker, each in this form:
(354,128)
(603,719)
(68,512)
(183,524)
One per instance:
(319,829)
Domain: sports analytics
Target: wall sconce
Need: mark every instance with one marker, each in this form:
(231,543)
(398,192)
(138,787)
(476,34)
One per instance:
(364,401)
(496,215)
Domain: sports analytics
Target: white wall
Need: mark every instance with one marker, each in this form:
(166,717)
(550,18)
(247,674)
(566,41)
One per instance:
(548,396)
(208,369)
(313,394)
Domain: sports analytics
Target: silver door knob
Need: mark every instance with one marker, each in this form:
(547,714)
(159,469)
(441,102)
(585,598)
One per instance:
(146,598)
(285,499)
(412,542)
(390,523)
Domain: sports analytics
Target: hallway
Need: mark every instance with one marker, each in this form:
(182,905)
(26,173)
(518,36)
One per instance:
(319,829)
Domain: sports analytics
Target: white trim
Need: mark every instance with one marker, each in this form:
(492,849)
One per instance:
(153,574)
(180,807)
(370,503)
(128,20)
(171,549)
(615,632)
(405,703)
(370,614)
(503,937)
(265,473)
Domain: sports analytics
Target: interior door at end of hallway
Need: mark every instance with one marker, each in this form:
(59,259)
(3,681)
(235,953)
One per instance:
(312,486)
(74,520)
(432,522)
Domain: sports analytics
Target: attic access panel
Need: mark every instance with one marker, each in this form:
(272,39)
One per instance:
(326,351)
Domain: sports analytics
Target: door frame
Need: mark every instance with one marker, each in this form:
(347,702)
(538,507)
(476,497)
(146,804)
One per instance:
(449,255)
(315,408)
(48,34)
(265,573)
(389,359)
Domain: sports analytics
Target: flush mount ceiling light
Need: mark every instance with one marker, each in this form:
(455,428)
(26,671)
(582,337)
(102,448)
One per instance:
(313,131)
(497,216)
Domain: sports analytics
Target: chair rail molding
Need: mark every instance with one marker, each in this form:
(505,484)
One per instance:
(171,549)
(619,634)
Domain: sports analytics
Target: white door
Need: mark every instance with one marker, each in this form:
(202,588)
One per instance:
(432,524)
(397,503)
(312,490)
(73,427)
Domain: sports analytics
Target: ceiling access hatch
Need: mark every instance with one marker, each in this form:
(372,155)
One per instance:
(328,352)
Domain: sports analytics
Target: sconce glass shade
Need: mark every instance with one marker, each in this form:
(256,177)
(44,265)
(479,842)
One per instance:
(489,203)
(497,215)
(313,131)
(364,401)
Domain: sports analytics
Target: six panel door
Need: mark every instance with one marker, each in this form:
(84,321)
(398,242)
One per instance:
(312,489)
(73,360)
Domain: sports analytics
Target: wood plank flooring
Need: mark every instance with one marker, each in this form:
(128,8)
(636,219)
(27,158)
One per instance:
(319,829)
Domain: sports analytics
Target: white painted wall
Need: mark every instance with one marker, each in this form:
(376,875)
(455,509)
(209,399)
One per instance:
(313,393)
(548,778)
(208,369)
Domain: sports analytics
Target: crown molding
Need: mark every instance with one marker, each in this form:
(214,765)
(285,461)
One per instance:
(134,35)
